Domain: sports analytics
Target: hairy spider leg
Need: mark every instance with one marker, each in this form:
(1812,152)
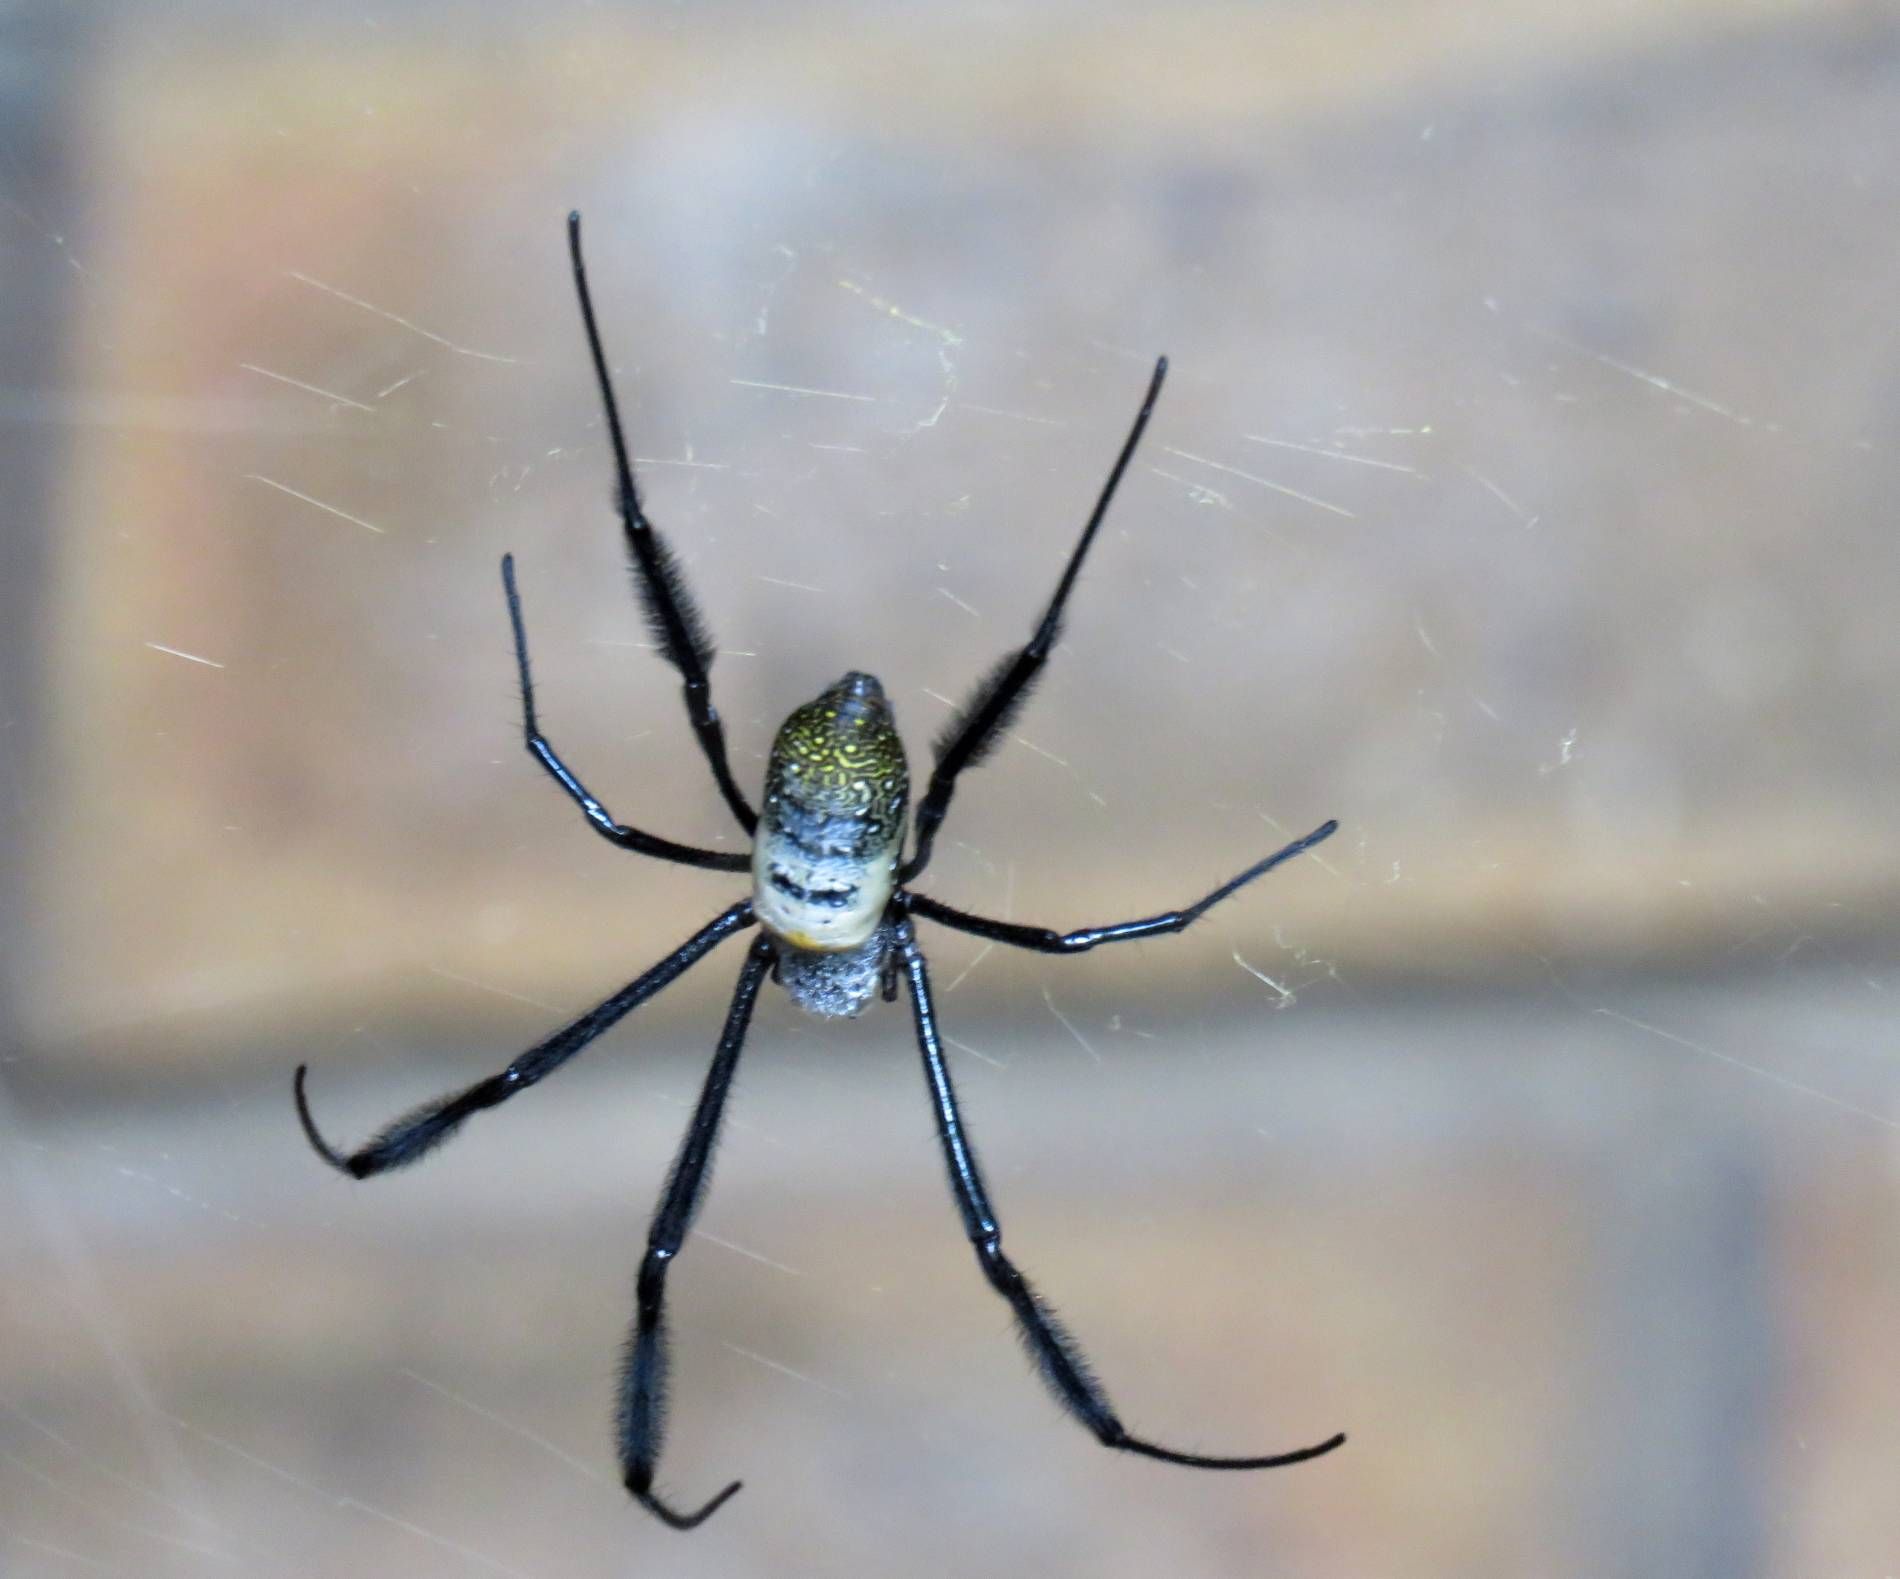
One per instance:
(540,748)
(415,1134)
(1045,941)
(1055,1352)
(643,1379)
(672,616)
(976,726)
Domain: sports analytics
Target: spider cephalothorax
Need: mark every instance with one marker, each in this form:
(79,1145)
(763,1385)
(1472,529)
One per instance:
(831,891)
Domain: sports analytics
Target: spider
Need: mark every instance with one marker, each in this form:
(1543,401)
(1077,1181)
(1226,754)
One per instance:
(831,896)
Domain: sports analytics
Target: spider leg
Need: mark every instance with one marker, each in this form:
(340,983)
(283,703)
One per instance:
(543,752)
(643,1380)
(976,726)
(1045,941)
(420,1131)
(1056,1353)
(672,616)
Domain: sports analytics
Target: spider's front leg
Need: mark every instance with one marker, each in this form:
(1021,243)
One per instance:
(419,1132)
(1056,1354)
(643,1381)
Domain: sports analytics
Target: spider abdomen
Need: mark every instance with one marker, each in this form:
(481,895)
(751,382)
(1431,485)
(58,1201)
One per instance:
(824,859)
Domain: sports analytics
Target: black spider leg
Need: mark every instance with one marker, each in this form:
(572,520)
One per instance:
(1044,941)
(643,1379)
(1055,1352)
(672,616)
(421,1130)
(543,752)
(974,729)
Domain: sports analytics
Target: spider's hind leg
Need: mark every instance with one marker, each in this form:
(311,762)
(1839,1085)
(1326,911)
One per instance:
(978,724)
(678,628)
(1056,1353)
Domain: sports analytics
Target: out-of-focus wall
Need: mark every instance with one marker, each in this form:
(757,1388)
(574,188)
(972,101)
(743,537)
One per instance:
(1519,496)
(1515,497)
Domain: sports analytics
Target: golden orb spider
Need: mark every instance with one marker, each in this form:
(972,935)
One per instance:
(832,898)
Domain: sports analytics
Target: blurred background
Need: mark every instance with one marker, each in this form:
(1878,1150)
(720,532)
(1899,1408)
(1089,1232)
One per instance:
(1522,496)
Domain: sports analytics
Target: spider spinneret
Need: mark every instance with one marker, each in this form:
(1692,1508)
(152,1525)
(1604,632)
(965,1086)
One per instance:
(831,894)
